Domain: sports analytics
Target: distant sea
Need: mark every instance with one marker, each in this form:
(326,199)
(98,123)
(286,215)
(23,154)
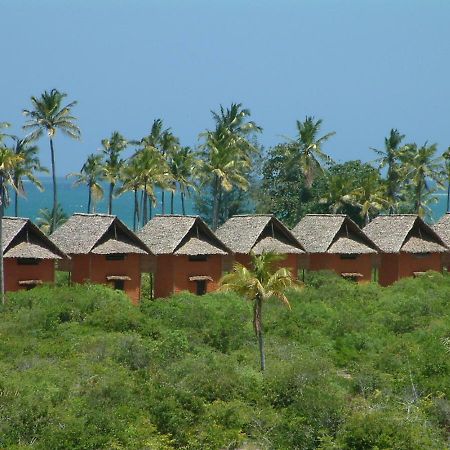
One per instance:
(74,199)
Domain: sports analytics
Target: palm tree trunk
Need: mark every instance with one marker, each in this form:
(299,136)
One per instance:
(163,202)
(136,205)
(448,197)
(257,324)
(367,218)
(171,202)
(183,210)
(55,195)
(89,200)
(215,217)
(16,201)
(111,189)
(150,208)
(2,269)
(144,206)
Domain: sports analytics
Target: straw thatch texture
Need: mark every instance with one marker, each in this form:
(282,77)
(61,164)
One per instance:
(97,233)
(243,233)
(181,235)
(394,234)
(332,233)
(23,239)
(442,228)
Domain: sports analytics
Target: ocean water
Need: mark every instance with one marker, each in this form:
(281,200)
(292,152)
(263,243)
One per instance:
(74,199)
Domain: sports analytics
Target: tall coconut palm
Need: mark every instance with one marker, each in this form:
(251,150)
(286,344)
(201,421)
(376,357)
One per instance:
(446,175)
(130,177)
(49,115)
(8,163)
(259,284)
(226,153)
(420,167)
(111,149)
(91,175)
(338,189)
(306,150)
(26,169)
(182,165)
(169,145)
(389,158)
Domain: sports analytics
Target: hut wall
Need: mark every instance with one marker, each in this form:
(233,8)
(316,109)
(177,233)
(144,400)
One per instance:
(95,268)
(173,272)
(44,271)
(410,263)
(388,271)
(325,261)
(291,261)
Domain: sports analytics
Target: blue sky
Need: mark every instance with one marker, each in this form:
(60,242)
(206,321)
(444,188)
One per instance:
(362,66)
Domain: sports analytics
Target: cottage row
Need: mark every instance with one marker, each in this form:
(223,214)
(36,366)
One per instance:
(184,254)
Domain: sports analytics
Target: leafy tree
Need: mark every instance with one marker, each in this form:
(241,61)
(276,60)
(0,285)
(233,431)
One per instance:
(45,219)
(112,149)
(338,192)
(91,175)
(259,284)
(48,115)
(226,154)
(390,158)
(420,168)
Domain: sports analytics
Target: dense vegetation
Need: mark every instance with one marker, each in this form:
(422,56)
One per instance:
(349,367)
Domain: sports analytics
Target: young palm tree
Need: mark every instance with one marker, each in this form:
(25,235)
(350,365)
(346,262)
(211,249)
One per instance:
(112,148)
(226,154)
(182,165)
(419,167)
(29,164)
(8,162)
(259,284)
(306,149)
(91,175)
(48,115)
(45,219)
(390,158)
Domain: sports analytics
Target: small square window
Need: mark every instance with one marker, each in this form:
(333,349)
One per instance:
(198,257)
(348,256)
(27,261)
(115,257)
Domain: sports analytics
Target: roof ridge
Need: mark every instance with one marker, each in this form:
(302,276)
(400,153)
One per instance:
(192,216)
(327,215)
(252,215)
(93,214)
(16,218)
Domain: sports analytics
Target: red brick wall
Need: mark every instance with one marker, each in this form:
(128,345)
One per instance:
(14,273)
(325,261)
(173,272)
(96,268)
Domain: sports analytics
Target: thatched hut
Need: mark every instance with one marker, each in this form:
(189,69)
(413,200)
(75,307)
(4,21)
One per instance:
(259,233)
(442,228)
(189,257)
(29,255)
(102,250)
(334,242)
(409,247)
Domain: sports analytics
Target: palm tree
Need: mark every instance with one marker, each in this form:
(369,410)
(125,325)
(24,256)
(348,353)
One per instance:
(91,174)
(338,189)
(48,115)
(306,149)
(258,284)
(226,154)
(389,157)
(27,167)
(183,165)
(8,162)
(112,148)
(169,146)
(131,182)
(446,174)
(45,219)
(419,167)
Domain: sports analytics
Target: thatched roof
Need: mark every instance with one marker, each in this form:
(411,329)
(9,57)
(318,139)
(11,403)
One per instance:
(404,233)
(442,228)
(181,235)
(97,233)
(258,233)
(332,233)
(23,239)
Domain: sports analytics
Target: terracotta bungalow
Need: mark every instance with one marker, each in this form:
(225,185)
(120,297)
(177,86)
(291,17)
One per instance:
(259,233)
(409,247)
(442,228)
(334,242)
(189,257)
(29,255)
(102,250)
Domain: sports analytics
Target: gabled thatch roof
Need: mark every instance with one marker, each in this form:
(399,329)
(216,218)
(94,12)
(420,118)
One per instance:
(404,233)
(332,233)
(442,228)
(181,235)
(258,233)
(97,233)
(23,239)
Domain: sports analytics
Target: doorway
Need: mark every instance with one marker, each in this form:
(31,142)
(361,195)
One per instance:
(200,287)
(119,285)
